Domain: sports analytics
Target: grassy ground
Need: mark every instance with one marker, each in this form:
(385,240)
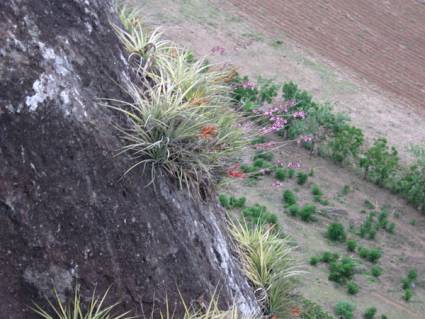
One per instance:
(401,250)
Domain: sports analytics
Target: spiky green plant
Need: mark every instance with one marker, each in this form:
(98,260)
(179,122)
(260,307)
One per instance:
(200,83)
(179,117)
(76,310)
(269,264)
(166,131)
(144,46)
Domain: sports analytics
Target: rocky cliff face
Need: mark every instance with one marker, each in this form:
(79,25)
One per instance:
(66,213)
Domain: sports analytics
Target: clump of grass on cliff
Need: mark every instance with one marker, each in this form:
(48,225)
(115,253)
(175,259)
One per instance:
(179,115)
(75,309)
(268,262)
(96,309)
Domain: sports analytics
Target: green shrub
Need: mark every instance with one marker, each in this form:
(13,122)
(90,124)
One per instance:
(291,172)
(281,174)
(307,212)
(368,227)
(345,190)
(302,178)
(406,283)
(372,234)
(379,163)
(323,202)
(345,144)
(289,198)
(351,245)
(374,255)
(294,210)
(370,313)
(391,228)
(412,183)
(311,310)
(237,202)
(408,293)
(258,214)
(224,201)
(352,288)
(231,202)
(363,252)
(383,219)
(316,191)
(328,257)
(345,309)
(376,271)
(412,275)
(292,92)
(368,204)
(267,156)
(336,232)
(341,270)
(260,163)
(259,140)
(245,94)
(267,90)
(384,317)
(371,255)
(248,168)
(314,260)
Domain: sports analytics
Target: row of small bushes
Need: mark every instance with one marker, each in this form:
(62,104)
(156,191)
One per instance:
(336,232)
(345,310)
(371,225)
(330,134)
(255,214)
(340,269)
(408,284)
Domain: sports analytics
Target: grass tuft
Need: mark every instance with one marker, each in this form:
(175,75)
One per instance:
(268,262)
(95,309)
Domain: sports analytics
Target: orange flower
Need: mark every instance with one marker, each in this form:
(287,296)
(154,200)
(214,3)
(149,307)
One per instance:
(296,312)
(209,132)
(199,101)
(235,171)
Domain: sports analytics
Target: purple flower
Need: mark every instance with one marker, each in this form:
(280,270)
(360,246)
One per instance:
(298,114)
(248,85)
(305,139)
(218,49)
(294,165)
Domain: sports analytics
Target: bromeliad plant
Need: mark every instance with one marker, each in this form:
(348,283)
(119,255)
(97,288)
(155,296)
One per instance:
(168,132)
(268,262)
(178,115)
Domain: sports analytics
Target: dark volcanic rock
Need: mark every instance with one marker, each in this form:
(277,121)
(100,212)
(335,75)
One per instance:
(66,213)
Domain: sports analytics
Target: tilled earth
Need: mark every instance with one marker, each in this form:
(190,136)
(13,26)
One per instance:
(383,41)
